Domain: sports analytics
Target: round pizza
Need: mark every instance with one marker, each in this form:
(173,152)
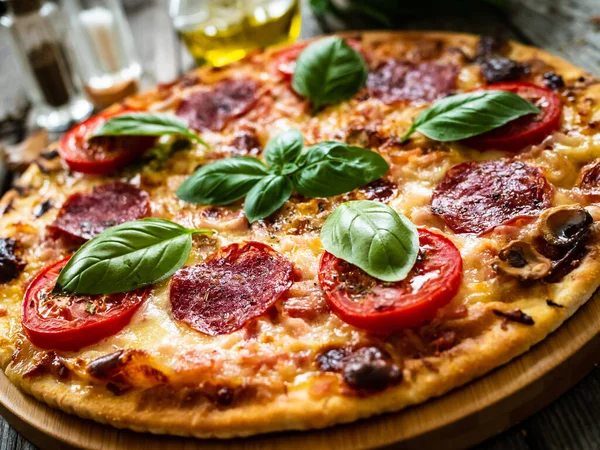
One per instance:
(313,235)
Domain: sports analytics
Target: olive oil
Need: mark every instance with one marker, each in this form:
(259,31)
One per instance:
(218,32)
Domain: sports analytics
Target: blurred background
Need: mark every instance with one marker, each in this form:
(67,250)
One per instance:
(61,60)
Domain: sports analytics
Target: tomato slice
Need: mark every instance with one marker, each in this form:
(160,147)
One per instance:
(285,61)
(103,154)
(526,130)
(70,322)
(365,302)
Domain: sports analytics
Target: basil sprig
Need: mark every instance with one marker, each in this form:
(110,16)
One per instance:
(322,170)
(126,257)
(374,237)
(329,71)
(146,124)
(466,115)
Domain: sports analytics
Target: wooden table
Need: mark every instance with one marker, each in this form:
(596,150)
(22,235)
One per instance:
(568,28)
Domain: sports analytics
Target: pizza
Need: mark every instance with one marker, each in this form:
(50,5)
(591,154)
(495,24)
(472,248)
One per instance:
(267,252)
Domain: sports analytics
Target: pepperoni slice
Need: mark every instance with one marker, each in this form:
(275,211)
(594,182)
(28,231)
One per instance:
(234,286)
(86,214)
(213,109)
(396,80)
(475,197)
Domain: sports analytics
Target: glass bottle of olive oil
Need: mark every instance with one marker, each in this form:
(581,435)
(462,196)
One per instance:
(221,31)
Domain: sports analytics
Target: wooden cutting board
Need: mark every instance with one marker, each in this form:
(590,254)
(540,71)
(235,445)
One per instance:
(459,419)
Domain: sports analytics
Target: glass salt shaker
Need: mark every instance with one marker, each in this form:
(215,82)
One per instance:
(39,40)
(105,51)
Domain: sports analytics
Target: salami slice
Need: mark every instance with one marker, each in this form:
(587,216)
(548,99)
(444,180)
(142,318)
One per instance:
(239,283)
(213,109)
(86,214)
(396,80)
(475,197)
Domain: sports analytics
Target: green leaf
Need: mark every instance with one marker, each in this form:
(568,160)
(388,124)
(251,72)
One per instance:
(356,13)
(126,257)
(267,196)
(222,182)
(284,148)
(465,115)
(326,169)
(333,168)
(374,11)
(319,7)
(328,72)
(374,237)
(146,124)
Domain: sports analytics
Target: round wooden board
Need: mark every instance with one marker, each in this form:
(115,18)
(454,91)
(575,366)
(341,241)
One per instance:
(457,420)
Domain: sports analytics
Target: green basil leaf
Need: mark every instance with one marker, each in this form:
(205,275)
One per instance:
(329,71)
(284,148)
(333,168)
(374,237)
(126,257)
(319,7)
(465,115)
(146,124)
(222,182)
(267,196)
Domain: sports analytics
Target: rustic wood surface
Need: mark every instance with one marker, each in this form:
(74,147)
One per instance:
(568,28)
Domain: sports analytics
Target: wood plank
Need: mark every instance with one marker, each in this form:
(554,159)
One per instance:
(513,439)
(566,28)
(572,421)
(11,440)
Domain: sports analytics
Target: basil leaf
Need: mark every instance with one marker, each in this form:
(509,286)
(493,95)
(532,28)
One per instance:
(284,148)
(267,196)
(374,237)
(222,182)
(465,115)
(319,7)
(126,257)
(333,168)
(146,124)
(329,71)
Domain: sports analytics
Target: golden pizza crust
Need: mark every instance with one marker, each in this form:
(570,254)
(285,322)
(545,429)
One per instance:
(297,409)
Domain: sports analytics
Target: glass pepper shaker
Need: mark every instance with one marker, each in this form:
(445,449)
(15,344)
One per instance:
(39,39)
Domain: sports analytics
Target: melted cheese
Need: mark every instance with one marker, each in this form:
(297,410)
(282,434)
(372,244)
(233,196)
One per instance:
(281,350)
